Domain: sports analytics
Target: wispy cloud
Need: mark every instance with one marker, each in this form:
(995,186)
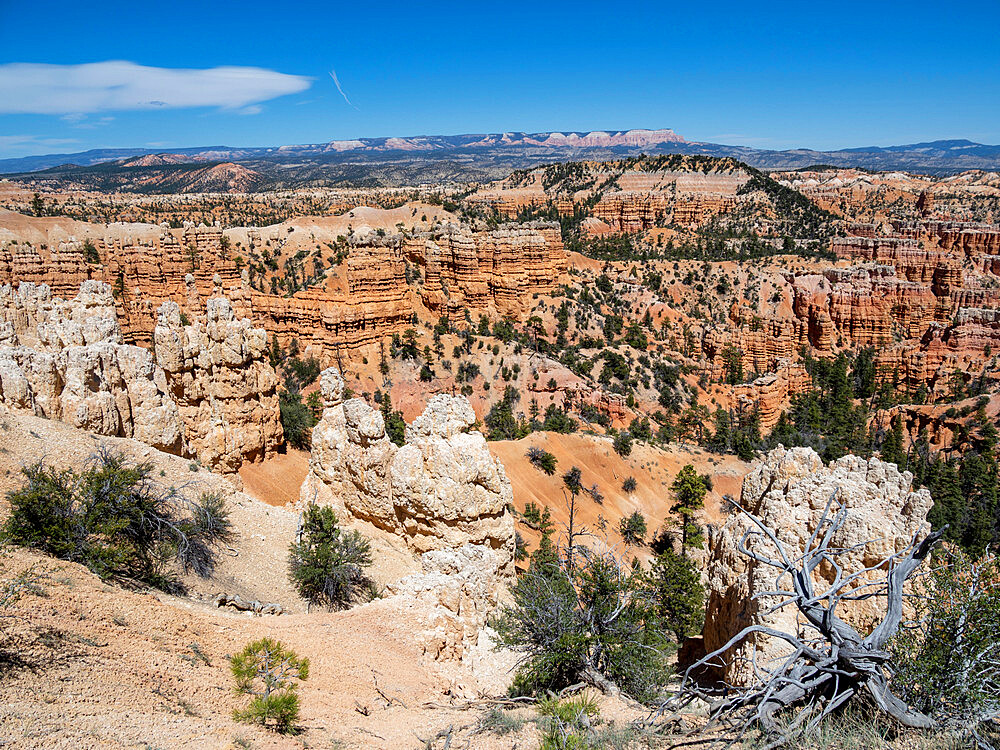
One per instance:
(85,122)
(35,88)
(336,82)
(15,142)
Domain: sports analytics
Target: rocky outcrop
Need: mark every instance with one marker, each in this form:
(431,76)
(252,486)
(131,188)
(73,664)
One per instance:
(461,587)
(206,390)
(64,360)
(863,306)
(788,491)
(771,394)
(634,211)
(224,387)
(440,490)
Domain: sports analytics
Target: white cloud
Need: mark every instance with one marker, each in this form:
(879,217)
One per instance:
(86,122)
(36,88)
(32,141)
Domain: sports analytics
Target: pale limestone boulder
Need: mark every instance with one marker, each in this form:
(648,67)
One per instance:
(109,389)
(65,360)
(441,490)
(448,489)
(444,417)
(349,464)
(788,491)
(40,374)
(15,390)
(461,587)
(49,324)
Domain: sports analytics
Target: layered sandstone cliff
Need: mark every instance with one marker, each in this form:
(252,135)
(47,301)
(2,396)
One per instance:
(965,348)
(497,271)
(355,304)
(788,492)
(771,394)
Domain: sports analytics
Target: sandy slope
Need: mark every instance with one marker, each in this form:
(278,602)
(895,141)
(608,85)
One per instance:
(653,468)
(119,669)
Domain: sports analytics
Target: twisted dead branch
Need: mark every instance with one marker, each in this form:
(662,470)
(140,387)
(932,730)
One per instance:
(830,662)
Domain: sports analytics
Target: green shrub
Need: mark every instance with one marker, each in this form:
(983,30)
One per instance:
(520,547)
(501,722)
(568,724)
(582,622)
(948,657)
(269,673)
(557,420)
(542,460)
(676,594)
(113,518)
(297,420)
(536,517)
(395,425)
(633,528)
(327,563)
(90,253)
(305,370)
(689,490)
(623,443)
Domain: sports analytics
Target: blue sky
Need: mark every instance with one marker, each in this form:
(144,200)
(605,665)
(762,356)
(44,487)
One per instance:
(772,75)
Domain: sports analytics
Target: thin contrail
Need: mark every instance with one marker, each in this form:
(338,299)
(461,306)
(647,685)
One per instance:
(333,75)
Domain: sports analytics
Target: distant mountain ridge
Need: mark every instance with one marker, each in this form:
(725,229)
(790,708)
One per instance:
(570,140)
(450,158)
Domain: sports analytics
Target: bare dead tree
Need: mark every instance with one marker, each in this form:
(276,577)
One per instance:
(830,662)
(571,530)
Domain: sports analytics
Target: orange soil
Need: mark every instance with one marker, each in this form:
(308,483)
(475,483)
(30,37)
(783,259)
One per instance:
(277,479)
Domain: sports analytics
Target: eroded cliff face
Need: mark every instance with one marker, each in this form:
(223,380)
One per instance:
(205,390)
(354,306)
(440,490)
(65,360)
(788,491)
(225,389)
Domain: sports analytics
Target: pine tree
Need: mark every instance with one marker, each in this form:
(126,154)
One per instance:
(892,448)
(948,501)
(676,594)
(689,498)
